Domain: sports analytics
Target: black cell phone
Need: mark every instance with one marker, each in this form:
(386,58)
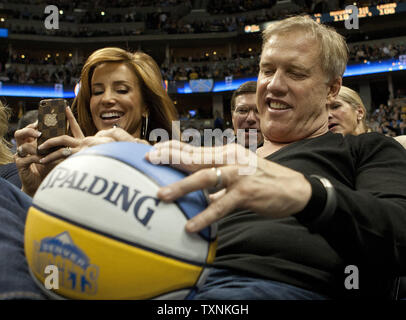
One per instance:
(51,121)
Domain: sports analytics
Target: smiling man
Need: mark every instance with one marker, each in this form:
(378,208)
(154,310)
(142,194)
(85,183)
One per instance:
(244,114)
(317,202)
(295,82)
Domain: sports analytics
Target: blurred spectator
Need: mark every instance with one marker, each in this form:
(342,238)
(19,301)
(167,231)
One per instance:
(8,169)
(5,154)
(218,121)
(389,119)
(359,53)
(28,118)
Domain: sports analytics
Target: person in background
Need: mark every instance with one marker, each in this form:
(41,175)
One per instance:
(8,169)
(347,114)
(218,121)
(27,118)
(244,113)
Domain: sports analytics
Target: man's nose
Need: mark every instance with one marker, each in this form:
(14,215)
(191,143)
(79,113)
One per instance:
(252,116)
(277,84)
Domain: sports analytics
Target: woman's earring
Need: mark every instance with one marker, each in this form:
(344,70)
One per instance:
(144,127)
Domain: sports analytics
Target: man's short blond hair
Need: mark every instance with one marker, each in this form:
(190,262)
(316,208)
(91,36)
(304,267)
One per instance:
(333,48)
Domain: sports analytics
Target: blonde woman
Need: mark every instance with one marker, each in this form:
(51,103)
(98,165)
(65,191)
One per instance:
(347,114)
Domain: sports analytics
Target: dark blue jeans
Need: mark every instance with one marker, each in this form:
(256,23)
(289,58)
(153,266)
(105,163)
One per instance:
(222,284)
(15,281)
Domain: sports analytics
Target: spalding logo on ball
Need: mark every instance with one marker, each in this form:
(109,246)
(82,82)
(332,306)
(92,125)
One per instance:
(97,219)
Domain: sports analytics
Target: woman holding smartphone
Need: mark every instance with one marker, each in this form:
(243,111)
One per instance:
(118,89)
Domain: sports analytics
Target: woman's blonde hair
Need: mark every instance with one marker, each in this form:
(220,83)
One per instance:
(161,110)
(5,153)
(354,100)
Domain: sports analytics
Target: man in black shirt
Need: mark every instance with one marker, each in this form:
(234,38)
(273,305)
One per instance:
(320,215)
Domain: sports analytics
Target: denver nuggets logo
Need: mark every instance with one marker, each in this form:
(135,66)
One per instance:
(76,273)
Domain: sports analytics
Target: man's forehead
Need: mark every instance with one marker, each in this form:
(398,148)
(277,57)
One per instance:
(301,53)
(294,41)
(293,34)
(246,98)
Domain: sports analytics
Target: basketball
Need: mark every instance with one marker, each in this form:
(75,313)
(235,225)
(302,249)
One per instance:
(96,229)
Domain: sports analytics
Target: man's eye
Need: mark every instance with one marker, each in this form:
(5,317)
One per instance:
(267,72)
(122,91)
(242,111)
(297,75)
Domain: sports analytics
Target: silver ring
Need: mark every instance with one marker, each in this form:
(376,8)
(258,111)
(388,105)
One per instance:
(219,178)
(20,152)
(66,152)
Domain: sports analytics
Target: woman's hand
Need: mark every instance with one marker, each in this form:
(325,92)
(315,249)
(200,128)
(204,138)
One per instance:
(32,168)
(67,144)
(30,171)
(250,182)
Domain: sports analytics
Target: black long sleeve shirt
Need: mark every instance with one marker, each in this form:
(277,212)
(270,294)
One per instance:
(367,228)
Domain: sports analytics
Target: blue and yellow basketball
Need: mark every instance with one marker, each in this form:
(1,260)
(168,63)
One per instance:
(97,219)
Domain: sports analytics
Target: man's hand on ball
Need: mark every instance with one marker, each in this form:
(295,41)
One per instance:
(250,182)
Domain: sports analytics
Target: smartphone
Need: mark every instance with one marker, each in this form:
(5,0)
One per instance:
(51,121)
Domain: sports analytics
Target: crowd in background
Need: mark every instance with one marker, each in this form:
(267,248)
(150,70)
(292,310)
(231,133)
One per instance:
(168,17)
(72,4)
(390,119)
(16,68)
(359,53)
(212,66)
(28,70)
(160,21)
